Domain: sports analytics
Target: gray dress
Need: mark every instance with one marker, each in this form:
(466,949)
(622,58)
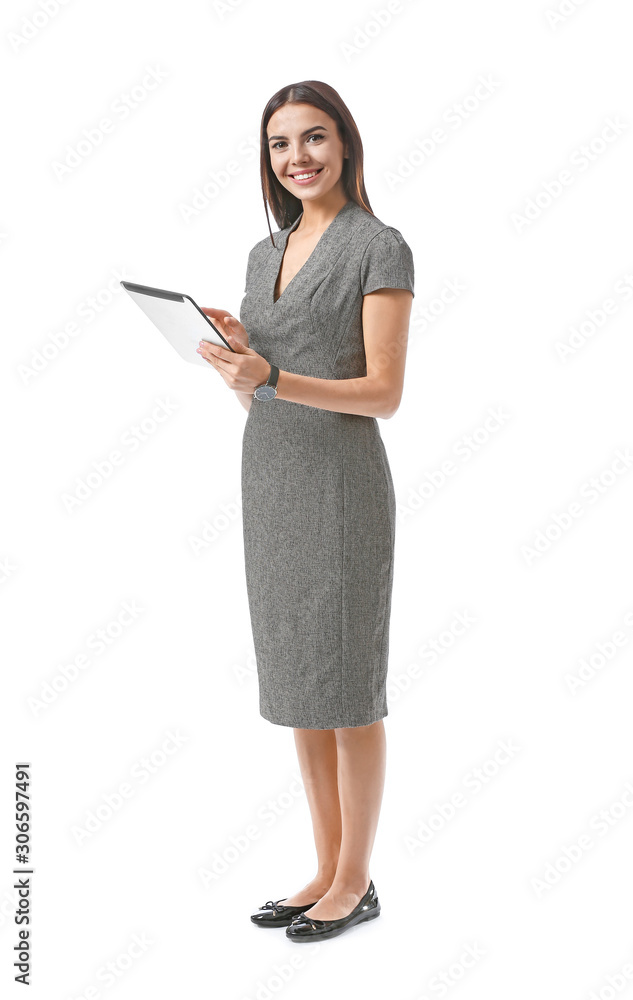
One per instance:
(318,505)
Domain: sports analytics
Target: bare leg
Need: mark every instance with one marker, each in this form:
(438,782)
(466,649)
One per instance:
(361,778)
(317,754)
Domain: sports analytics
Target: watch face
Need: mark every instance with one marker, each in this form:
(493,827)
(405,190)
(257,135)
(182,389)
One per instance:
(265,392)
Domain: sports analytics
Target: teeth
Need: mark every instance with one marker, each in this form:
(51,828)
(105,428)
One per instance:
(303,177)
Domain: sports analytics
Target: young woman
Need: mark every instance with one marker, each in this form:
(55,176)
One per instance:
(319,356)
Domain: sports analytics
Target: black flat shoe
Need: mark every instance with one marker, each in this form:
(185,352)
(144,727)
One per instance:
(307,928)
(276,914)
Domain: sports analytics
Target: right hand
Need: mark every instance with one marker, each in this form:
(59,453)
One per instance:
(233,330)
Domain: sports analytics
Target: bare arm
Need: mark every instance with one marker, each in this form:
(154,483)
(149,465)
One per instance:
(216,315)
(385,317)
(245,398)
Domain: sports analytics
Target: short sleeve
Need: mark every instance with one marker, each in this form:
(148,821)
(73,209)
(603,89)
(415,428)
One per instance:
(249,270)
(387,263)
(247,281)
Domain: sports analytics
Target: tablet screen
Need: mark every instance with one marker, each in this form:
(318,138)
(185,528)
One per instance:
(179,319)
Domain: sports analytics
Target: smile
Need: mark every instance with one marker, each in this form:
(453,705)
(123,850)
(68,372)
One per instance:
(306,175)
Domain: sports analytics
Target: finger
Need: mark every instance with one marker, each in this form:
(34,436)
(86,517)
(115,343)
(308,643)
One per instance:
(208,352)
(221,366)
(203,350)
(206,347)
(215,313)
(233,323)
(224,328)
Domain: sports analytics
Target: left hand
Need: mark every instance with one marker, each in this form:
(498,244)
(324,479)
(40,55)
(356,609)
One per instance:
(243,369)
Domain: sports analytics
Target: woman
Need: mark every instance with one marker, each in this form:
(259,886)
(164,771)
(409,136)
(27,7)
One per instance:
(319,356)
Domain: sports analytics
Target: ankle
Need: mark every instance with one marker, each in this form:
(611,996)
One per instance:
(354,884)
(325,876)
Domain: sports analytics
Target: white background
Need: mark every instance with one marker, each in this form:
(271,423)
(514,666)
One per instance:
(493,876)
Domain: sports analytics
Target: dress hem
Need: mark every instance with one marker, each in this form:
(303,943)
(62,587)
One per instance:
(333,725)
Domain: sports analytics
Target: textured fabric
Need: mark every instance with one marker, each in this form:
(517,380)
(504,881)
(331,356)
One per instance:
(318,505)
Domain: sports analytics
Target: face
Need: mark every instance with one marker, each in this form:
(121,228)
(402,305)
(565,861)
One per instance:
(301,140)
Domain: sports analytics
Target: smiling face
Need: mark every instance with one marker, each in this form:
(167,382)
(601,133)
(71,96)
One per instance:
(302,140)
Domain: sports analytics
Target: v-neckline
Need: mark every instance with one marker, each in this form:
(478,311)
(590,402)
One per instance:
(308,258)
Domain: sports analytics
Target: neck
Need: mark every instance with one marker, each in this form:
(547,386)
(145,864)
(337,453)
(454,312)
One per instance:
(318,214)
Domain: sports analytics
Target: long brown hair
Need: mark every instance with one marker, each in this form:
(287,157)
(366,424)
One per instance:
(285,207)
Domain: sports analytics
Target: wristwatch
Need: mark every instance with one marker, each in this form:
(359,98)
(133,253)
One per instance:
(268,390)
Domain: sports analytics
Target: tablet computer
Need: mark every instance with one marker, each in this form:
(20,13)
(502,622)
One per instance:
(179,319)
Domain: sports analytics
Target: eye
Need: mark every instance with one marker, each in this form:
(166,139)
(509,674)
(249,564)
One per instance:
(314,135)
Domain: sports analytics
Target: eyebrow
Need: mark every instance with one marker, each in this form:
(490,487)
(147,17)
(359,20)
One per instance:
(322,127)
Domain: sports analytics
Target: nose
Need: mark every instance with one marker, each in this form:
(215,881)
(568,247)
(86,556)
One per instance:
(299,155)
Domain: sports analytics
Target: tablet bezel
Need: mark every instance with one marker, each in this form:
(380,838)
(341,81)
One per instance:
(163,293)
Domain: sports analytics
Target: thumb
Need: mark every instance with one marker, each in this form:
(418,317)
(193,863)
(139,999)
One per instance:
(237,344)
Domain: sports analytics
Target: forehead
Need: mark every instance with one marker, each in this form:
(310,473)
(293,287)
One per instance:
(296,117)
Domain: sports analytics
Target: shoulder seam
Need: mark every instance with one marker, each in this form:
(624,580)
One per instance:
(380,233)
